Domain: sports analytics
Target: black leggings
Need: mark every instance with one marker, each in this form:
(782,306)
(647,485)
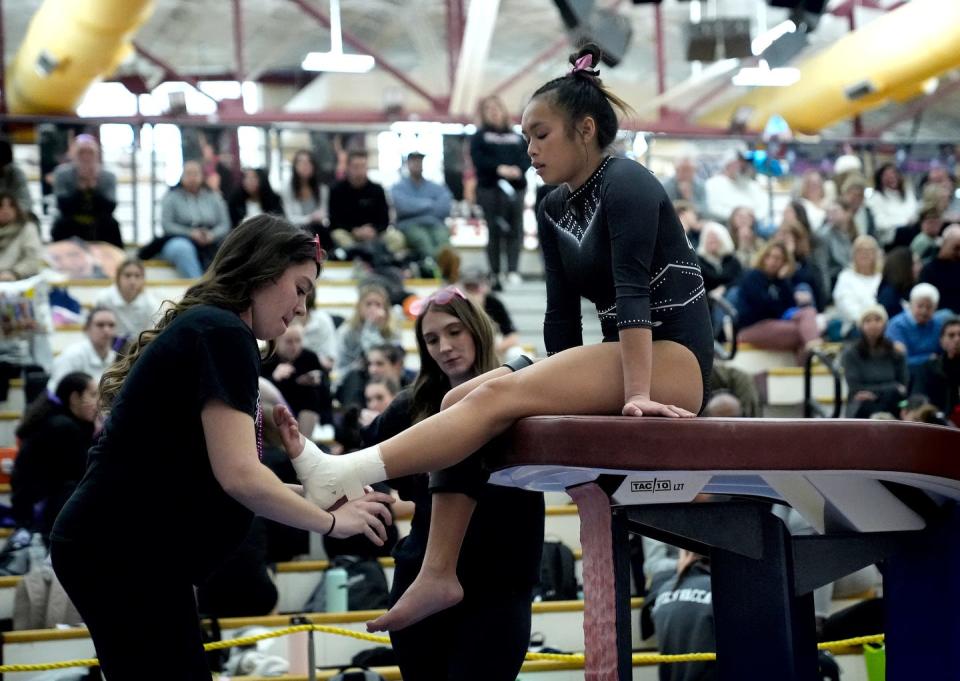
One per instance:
(142,617)
(504,218)
(483,638)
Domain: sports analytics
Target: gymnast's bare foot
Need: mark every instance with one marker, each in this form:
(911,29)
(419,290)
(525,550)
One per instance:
(429,594)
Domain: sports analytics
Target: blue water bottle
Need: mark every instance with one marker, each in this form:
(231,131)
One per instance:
(335,589)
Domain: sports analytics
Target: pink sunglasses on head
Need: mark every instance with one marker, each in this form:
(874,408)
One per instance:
(441,297)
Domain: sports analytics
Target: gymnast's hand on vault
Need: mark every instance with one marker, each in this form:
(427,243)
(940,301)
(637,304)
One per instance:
(644,406)
(289,430)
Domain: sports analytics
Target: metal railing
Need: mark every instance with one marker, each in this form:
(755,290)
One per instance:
(811,408)
(730,328)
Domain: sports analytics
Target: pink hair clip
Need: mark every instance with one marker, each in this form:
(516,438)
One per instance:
(584,63)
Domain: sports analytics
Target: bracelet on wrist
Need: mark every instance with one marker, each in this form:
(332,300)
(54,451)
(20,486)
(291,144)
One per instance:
(333,524)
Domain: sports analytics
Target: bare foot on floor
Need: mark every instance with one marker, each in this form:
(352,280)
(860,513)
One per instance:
(426,596)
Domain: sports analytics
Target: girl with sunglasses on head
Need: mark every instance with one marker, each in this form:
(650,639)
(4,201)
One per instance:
(456,344)
(175,479)
(608,233)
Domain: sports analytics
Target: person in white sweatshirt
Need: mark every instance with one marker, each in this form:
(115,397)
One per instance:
(892,202)
(133,305)
(856,287)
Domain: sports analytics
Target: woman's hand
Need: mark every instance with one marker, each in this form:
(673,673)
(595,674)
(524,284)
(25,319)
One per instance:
(289,430)
(368,515)
(639,405)
(283,371)
(864,396)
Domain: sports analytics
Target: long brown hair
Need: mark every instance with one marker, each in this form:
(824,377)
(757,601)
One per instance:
(256,253)
(431,383)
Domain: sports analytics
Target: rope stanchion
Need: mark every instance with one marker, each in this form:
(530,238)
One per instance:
(578,658)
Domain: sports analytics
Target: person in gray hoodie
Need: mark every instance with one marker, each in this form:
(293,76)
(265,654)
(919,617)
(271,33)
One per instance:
(194,221)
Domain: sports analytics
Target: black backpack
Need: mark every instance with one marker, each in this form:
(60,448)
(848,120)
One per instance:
(558,578)
(366,586)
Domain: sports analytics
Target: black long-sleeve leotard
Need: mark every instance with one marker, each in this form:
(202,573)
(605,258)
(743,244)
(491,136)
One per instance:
(617,241)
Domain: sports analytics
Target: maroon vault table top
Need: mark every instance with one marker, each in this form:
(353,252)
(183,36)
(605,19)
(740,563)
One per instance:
(818,466)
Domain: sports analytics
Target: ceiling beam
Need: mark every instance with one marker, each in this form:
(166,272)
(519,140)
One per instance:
(477,36)
(456,22)
(358,44)
(548,53)
(238,65)
(915,108)
(170,73)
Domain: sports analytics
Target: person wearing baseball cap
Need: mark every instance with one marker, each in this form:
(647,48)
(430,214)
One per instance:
(422,209)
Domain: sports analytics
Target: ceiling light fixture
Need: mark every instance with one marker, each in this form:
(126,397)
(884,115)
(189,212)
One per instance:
(335,59)
(765,40)
(764,76)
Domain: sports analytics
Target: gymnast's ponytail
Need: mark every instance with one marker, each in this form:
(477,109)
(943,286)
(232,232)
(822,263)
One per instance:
(581,93)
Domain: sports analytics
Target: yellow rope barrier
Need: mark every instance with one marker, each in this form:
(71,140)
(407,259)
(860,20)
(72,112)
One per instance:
(638,658)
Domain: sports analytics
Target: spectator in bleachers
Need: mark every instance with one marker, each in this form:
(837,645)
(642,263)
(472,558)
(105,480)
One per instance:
(939,378)
(134,306)
(742,224)
(359,215)
(378,394)
(723,405)
(254,196)
(813,198)
(690,219)
(685,185)
(386,361)
(500,158)
(892,202)
(455,342)
(852,194)
(422,209)
(92,355)
(844,166)
(738,383)
(933,202)
(798,243)
(217,175)
(875,371)
(305,199)
(21,252)
(944,270)
(679,609)
(476,284)
(900,269)
(857,285)
(719,265)
(734,186)
(55,434)
(12,179)
(916,331)
(86,196)
(835,241)
(772,314)
(320,333)
(194,221)
(926,243)
(939,176)
(381,361)
(298,375)
(370,325)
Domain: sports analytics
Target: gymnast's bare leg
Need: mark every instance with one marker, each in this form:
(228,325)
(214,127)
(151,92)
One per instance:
(583,380)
